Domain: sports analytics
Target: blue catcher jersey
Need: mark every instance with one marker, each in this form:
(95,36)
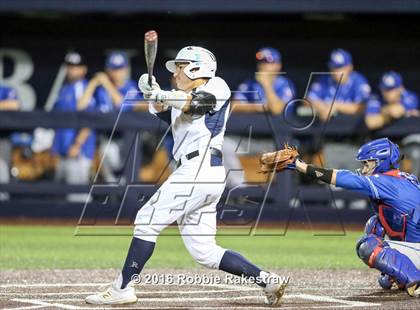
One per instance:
(64,138)
(252,91)
(395,197)
(356,89)
(409,101)
(104,100)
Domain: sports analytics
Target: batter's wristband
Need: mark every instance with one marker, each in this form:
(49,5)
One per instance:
(318,173)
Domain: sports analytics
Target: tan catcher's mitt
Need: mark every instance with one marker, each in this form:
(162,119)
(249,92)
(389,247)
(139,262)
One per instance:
(279,160)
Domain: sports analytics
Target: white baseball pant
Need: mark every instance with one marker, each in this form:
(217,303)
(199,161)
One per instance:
(189,196)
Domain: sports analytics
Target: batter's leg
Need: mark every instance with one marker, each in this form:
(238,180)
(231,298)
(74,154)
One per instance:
(168,204)
(198,230)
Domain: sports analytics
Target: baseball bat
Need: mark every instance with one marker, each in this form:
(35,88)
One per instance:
(150,49)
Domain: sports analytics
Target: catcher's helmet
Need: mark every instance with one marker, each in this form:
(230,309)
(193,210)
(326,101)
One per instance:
(383,151)
(201,62)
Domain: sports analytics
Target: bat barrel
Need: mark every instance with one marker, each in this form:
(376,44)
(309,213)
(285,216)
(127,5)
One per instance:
(150,36)
(150,49)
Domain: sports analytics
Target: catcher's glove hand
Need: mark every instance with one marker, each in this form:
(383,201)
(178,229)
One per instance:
(279,160)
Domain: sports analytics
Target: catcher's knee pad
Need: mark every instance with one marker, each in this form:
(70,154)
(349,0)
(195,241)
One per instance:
(367,247)
(207,255)
(374,227)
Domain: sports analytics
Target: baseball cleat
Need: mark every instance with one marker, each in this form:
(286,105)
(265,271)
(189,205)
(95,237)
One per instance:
(414,289)
(113,296)
(274,290)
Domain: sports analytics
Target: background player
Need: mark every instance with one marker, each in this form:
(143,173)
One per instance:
(109,89)
(343,91)
(8,102)
(197,112)
(344,87)
(395,102)
(268,91)
(395,197)
(75,148)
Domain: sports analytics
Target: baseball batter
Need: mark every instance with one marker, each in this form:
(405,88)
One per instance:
(197,112)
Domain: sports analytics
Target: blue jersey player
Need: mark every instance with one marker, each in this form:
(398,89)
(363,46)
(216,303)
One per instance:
(109,88)
(269,90)
(74,147)
(394,103)
(344,88)
(391,243)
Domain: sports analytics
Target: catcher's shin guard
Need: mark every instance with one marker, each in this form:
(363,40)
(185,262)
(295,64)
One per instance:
(376,253)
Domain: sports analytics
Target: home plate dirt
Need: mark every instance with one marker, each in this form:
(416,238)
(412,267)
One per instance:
(199,289)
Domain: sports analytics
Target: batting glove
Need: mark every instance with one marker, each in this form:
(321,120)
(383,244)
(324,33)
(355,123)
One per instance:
(173,98)
(144,86)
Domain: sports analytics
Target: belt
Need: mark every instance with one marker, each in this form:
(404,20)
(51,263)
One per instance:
(213,153)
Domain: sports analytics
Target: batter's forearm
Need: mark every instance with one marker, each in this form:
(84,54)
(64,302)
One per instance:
(187,106)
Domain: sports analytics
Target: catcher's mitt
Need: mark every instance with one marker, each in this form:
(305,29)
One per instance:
(279,160)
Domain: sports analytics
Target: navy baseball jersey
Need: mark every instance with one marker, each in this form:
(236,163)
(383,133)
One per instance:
(67,102)
(356,89)
(409,101)
(252,91)
(395,197)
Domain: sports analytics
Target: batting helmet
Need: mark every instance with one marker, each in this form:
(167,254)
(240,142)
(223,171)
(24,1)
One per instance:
(201,62)
(383,151)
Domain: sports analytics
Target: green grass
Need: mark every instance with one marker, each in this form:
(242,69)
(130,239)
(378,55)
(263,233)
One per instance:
(35,247)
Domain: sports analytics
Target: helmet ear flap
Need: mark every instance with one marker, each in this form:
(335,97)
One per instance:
(195,70)
(190,70)
(394,164)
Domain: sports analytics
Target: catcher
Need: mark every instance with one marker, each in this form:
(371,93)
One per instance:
(391,243)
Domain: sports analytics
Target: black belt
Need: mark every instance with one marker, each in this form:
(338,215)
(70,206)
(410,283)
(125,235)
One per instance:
(192,155)
(189,156)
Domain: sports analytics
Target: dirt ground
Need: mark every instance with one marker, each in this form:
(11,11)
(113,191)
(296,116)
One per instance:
(199,289)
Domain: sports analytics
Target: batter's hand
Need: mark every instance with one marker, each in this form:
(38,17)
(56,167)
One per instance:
(174,98)
(144,86)
(279,160)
